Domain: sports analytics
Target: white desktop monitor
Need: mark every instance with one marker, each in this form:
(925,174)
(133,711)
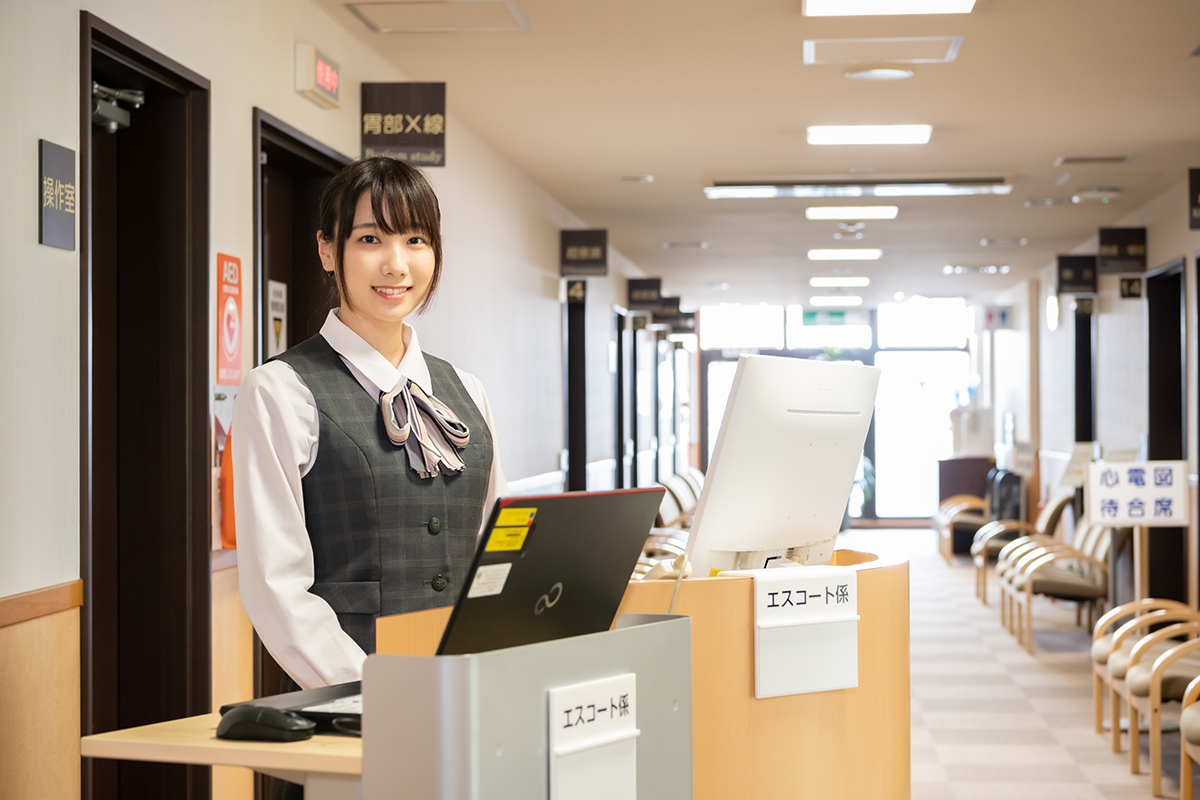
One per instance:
(784,463)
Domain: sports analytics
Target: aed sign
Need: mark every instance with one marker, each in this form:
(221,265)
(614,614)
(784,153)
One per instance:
(1121,250)
(56,195)
(318,77)
(1146,493)
(583,252)
(405,121)
(229,320)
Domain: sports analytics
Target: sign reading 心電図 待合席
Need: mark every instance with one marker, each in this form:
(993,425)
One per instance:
(405,121)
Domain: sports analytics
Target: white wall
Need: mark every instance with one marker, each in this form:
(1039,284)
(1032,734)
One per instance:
(498,315)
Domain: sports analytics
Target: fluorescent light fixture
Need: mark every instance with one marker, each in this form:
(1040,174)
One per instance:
(879,74)
(1052,312)
(838,283)
(862,8)
(851,212)
(869,134)
(861,254)
(835,301)
(815,189)
(937,190)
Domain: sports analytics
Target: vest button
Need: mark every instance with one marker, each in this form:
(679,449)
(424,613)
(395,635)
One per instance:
(439,583)
(435,526)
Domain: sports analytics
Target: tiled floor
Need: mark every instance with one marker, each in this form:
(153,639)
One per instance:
(990,721)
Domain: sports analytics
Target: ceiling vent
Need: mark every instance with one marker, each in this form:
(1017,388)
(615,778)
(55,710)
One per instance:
(919,50)
(440,16)
(1091,161)
(1003,242)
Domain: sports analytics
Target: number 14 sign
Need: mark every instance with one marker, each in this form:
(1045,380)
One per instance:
(1146,493)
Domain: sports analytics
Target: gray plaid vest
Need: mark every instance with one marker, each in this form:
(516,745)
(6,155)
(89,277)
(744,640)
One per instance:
(385,541)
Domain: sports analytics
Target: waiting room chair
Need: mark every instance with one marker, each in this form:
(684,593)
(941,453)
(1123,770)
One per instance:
(684,496)
(1189,738)
(959,508)
(994,536)
(695,479)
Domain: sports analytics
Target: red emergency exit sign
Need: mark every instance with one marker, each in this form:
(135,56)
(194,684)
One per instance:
(317,76)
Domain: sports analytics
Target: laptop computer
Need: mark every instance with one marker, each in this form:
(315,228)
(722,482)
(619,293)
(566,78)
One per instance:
(545,568)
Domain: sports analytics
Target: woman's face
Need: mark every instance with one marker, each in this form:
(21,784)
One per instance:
(386,275)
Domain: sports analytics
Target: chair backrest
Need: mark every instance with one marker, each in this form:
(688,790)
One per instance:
(668,511)
(682,491)
(1051,514)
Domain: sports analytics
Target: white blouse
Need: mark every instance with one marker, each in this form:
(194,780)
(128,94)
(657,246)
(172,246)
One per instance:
(275,431)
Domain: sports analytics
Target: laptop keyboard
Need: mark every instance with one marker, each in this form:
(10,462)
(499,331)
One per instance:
(351,704)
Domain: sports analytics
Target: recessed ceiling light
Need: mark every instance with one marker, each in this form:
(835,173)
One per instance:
(1044,202)
(685,245)
(879,74)
(1003,242)
(898,296)
(838,283)
(869,134)
(835,301)
(851,212)
(718,287)
(864,254)
(858,8)
(635,179)
(937,190)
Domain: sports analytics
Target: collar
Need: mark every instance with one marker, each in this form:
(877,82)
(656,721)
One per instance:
(371,363)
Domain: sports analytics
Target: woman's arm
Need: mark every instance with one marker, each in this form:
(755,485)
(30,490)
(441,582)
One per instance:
(497,485)
(276,424)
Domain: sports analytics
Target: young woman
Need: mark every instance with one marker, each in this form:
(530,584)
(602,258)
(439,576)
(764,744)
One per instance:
(363,466)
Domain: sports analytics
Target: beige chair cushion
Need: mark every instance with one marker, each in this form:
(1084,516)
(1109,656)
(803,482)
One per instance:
(1102,648)
(1118,662)
(1061,582)
(1175,680)
(1189,723)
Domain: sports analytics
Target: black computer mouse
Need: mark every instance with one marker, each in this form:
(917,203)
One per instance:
(264,724)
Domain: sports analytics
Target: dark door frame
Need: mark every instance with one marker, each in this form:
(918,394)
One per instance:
(195,448)
(271,129)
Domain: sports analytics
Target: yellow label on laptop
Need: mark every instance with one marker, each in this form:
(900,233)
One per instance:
(515,516)
(506,539)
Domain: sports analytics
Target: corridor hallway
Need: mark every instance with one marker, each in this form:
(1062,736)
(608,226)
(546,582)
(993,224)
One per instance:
(990,721)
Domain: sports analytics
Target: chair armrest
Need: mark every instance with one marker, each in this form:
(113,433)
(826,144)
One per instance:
(1135,607)
(1023,563)
(1161,635)
(1020,542)
(1065,554)
(1153,618)
(961,501)
(1192,692)
(1000,527)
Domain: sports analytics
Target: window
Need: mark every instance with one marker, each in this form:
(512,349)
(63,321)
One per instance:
(924,322)
(737,326)
(818,330)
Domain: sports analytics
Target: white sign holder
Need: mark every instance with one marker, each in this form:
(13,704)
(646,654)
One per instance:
(805,629)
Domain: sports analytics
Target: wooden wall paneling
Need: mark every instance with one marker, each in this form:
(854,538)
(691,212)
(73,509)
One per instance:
(40,602)
(39,673)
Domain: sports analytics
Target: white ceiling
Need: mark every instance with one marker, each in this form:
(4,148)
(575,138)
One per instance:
(692,91)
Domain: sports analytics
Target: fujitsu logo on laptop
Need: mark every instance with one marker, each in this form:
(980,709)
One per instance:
(548,599)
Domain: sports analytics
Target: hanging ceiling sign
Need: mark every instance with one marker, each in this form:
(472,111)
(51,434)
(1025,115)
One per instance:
(1194,199)
(645,294)
(670,314)
(1076,274)
(56,195)
(405,121)
(1121,250)
(583,252)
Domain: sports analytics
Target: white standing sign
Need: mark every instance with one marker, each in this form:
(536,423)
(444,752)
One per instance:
(806,629)
(593,740)
(1145,493)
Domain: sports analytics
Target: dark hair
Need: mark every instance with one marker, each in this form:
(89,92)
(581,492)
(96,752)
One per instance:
(401,200)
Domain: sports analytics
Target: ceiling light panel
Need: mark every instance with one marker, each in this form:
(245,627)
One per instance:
(838,283)
(972,186)
(910,50)
(835,301)
(861,8)
(851,212)
(845,254)
(869,134)
(441,16)
(879,74)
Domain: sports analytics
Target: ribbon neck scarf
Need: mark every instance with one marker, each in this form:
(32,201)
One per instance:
(430,433)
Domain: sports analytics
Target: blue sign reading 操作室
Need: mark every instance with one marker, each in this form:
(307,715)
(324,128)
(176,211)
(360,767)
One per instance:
(56,195)
(1146,493)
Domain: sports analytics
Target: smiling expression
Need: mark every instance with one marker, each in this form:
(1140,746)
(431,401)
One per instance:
(386,276)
